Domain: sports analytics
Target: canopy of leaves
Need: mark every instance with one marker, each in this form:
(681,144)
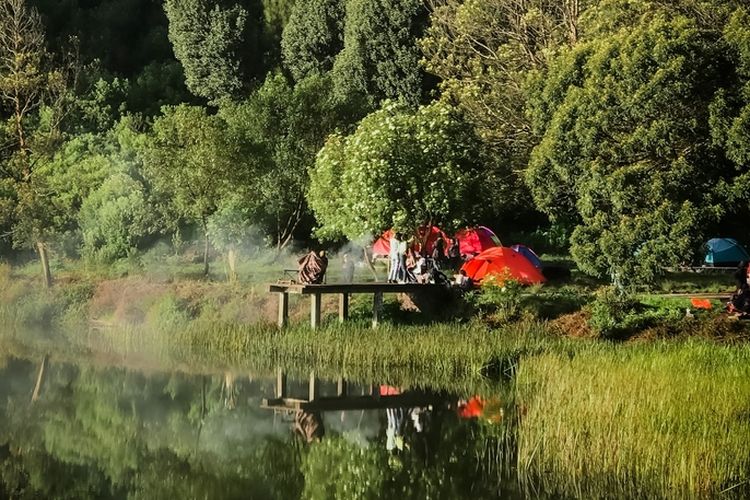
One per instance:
(398,169)
(313,37)
(625,148)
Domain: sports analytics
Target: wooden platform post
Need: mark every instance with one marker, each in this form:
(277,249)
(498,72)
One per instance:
(377,305)
(341,389)
(315,310)
(312,393)
(343,307)
(283,309)
(280,383)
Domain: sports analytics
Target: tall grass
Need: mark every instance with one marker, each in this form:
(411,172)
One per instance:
(438,355)
(659,419)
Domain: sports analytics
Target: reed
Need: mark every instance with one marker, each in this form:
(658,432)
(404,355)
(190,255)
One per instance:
(667,419)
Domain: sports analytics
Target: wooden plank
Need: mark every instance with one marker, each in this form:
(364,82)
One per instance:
(312,389)
(280,383)
(341,387)
(352,288)
(351,403)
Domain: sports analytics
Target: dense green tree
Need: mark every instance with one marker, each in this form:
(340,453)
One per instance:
(313,37)
(286,126)
(625,148)
(398,169)
(192,163)
(380,58)
(217,44)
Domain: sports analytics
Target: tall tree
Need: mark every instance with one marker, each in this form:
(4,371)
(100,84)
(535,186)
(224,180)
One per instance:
(313,37)
(626,146)
(380,59)
(218,44)
(398,169)
(30,91)
(191,161)
(286,125)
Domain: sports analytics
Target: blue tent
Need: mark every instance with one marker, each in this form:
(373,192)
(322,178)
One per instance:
(529,254)
(725,252)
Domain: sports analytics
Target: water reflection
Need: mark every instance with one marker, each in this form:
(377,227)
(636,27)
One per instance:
(104,432)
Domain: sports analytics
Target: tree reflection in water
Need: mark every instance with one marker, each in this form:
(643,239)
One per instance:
(116,433)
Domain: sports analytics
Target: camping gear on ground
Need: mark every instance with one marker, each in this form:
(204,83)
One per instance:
(503,262)
(529,254)
(475,240)
(312,268)
(725,252)
(701,303)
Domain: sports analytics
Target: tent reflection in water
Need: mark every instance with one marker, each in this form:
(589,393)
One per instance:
(502,262)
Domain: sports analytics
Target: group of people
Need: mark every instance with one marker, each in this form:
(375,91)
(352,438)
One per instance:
(409,265)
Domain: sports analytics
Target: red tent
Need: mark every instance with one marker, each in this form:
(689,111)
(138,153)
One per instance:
(431,238)
(475,240)
(500,261)
(382,245)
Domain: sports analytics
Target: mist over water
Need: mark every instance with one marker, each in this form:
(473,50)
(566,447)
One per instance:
(118,432)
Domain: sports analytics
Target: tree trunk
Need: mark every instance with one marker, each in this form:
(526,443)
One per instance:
(232,265)
(44,257)
(205,252)
(39,379)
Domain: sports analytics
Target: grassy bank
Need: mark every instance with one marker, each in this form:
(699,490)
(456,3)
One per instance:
(668,419)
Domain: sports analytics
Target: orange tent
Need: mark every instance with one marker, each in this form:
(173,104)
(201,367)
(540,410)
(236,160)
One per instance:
(500,261)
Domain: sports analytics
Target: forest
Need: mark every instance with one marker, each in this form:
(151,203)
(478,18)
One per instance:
(622,127)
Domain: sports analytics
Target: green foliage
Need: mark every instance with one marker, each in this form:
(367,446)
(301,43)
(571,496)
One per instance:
(500,296)
(209,38)
(285,126)
(115,219)
(380,58)
(338,469)
(617,314)
(624,122)
(313,37)
(398,169)
(190,160)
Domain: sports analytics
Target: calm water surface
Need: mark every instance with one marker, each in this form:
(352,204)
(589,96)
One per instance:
(94,431)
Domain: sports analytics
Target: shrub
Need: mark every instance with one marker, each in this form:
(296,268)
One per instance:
(501,297)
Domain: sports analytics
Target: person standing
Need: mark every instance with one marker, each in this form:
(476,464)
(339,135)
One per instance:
(393,258)
(401,273)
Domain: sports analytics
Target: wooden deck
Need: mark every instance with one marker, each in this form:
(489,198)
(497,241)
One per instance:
(343,290)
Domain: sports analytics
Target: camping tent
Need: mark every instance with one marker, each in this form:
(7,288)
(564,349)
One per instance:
(382,246)
(725,252)
(502,261)
(475,240)
(529,254)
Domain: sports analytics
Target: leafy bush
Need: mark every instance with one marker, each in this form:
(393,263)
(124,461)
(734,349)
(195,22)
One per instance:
(115,218)
(615,314)
(499,296)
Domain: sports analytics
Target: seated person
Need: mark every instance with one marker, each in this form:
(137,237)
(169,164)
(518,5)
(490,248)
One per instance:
(312,268)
